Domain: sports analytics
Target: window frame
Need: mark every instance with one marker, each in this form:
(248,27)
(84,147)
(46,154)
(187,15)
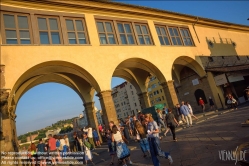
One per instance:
(17,29)
(116,22)
(180,28)
(76,31)
(106,33)
(180,36)
(167,26)
(149,33)
(48,28)
(167,34)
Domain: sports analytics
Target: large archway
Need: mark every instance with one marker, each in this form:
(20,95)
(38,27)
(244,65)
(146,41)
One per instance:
(190,77)
(138,72)
(61,72)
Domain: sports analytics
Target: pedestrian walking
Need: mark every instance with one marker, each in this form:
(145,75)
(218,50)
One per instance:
(122,150)
(232,101)
(202,104)
(141,136)
(41,152)
(172,123)
(52,146)
(191,110)
(96,137)
(160,120)
(87,148)
(90,136)
(181,116)
(154,142)
(186,112)
(111,145)
(211,103)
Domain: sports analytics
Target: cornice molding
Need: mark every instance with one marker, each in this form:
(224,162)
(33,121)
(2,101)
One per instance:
(103,6)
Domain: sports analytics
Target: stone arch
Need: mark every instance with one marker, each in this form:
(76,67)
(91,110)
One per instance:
(138,71)
(186,61)
(57,71)
(199,93)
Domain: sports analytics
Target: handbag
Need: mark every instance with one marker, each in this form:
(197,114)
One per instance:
(138,135)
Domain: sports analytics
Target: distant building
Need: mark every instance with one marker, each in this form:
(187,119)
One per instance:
(81,121)
(126,100)
(32,137)
(68,124)
(53,132)
(156,92)
(99,116)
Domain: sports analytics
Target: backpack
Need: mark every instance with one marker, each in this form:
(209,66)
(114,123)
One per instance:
(58,143)
(88,145)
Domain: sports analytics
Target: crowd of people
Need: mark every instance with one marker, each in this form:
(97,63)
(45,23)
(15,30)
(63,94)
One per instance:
(142,128)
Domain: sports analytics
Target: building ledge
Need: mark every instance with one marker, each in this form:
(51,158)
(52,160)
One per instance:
(228,68)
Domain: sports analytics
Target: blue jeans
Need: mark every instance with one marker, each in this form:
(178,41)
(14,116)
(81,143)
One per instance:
(144,145)
(64,150)
(155,150)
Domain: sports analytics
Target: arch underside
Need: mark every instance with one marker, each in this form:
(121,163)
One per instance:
(138,71)
(185,61)
(64,73)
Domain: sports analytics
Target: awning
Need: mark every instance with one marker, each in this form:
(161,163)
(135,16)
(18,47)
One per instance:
(228,68)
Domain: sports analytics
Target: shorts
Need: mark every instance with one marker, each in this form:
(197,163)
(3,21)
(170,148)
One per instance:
(53,153)
(96,139)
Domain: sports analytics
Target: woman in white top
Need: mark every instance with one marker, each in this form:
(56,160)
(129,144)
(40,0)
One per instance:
(122,150)
(191,110)
(67,143)
(88,154)
(62,144)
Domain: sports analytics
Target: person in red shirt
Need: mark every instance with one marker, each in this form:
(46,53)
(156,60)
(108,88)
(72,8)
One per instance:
(202,104)
(52,146)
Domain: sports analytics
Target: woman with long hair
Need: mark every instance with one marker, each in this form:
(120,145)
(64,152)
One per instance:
(172,123)
(122,150)
(154,142)
(141,136)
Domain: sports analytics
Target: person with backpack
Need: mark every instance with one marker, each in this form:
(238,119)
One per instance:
(58,147)
(122,150)
(172,123)
(154,142)
(41,152)
(87,148)
(63,146)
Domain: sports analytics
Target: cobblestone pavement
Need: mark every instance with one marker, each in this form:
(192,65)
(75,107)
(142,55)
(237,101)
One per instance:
(196,146)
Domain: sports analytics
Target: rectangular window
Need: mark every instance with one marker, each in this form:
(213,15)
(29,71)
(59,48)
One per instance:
(106,32)
(126,33)
(17,29)
(143,34)
(163,35)
(132,92)
(135,104)
(76,31)
(175,36)
(186,37)
(49,30)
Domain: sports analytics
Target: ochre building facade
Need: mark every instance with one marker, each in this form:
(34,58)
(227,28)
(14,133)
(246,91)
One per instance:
(83,44)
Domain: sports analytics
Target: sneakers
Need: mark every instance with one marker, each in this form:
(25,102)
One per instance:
(170,159)
(130,162)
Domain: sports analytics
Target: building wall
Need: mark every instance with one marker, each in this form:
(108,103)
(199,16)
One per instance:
(156,92)
(125,100)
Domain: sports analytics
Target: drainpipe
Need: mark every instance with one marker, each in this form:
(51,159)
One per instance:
(197,19)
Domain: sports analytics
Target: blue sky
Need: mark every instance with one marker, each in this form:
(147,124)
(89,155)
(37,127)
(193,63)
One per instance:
(47,103)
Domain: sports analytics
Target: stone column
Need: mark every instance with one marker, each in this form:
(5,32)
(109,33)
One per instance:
(107,105)
(144,99)
(91,117)
(170,93)
(218,97)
